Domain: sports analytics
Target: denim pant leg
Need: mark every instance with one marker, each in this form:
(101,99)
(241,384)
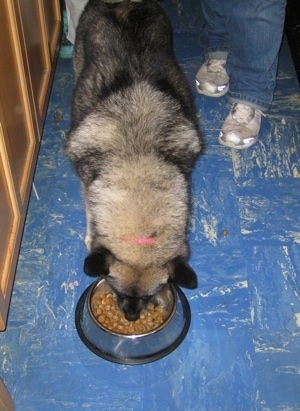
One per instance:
(74,9)
(250,32)
(215,36)
(256,30)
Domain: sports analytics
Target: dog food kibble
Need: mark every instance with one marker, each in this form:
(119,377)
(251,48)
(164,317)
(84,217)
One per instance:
(109,315)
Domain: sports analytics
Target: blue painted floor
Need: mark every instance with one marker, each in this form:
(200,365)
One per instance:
(243,348)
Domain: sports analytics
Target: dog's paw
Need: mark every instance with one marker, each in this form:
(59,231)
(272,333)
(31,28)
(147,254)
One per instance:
(183,274)
(97,263)
(88,242)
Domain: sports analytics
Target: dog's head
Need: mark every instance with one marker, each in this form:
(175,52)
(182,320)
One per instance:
(135,286)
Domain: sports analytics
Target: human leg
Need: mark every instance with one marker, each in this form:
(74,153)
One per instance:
(215,33)
(212,79)
(74,10)
(255,38)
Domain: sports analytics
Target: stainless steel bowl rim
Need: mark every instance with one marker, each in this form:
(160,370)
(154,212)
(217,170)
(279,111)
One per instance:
(146,352)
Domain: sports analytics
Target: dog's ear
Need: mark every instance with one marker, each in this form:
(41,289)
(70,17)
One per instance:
(97,262)
(182,274)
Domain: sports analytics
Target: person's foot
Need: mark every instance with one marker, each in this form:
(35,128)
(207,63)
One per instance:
(212,79)
(241,127)
(66,48)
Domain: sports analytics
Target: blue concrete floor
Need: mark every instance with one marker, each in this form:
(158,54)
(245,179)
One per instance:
(243,348)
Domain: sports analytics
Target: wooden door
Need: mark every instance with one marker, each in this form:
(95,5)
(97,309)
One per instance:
(10,222)
(6,402)
(52,16)
(29,36)
(20,137)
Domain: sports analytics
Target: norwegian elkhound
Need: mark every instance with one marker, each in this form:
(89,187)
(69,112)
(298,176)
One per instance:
(133,141)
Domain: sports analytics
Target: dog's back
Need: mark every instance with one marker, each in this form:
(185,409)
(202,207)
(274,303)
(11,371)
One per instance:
(120,44)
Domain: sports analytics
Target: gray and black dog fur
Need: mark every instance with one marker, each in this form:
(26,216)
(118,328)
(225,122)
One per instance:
(133,140)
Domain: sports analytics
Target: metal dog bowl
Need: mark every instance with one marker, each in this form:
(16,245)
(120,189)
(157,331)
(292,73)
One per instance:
(134,349)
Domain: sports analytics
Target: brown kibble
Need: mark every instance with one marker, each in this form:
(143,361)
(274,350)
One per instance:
(224,232)
(101,318)
(109,315)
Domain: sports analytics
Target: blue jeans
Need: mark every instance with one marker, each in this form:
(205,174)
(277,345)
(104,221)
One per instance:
(248,34)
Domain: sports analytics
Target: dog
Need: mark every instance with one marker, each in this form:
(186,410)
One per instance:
(133,140)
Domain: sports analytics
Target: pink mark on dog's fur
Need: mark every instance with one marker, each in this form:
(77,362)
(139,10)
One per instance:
(139,240)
